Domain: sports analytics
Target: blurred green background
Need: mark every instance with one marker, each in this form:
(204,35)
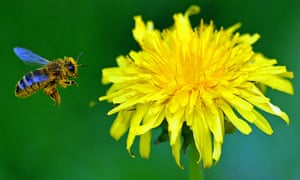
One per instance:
(42,141)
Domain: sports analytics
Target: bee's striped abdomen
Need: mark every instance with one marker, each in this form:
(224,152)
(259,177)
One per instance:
(31,82)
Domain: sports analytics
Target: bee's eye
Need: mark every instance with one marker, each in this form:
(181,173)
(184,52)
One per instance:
(71,67)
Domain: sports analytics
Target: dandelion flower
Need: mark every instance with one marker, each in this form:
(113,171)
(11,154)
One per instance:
(192,83)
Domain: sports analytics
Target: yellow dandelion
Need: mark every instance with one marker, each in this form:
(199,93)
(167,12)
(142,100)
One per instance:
(191,82)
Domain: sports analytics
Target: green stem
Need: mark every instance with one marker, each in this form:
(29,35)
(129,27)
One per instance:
(195,170)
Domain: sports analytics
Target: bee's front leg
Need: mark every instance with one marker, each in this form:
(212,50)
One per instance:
(67,82)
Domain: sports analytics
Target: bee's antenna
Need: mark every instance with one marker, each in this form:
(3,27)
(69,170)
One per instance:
(82,65)
(79,55)
(77,59)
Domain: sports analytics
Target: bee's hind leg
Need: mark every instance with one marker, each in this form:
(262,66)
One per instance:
(53,93)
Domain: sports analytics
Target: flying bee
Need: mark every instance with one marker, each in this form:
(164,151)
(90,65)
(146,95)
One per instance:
(53,73)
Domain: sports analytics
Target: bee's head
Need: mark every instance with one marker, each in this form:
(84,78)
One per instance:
(71,67)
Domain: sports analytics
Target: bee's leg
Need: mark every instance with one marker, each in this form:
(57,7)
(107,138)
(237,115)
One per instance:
(67,82)
(53,93)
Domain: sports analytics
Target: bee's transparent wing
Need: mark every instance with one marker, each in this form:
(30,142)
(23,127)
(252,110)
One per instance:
(28,56)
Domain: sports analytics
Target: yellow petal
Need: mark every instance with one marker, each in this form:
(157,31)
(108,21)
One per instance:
(255,117)
(214,122)
(120,125)
(152,119)
(141,31)
(136,119)
(262,123)
(217,150)
(176,151)
(202,138)
(145,145)
(241,125)
(279,84)
(175,122)
(236,101)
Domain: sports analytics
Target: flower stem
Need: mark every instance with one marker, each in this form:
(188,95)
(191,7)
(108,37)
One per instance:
(195,170)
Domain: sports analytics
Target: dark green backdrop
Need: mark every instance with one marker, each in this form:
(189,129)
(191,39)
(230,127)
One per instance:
(42,141)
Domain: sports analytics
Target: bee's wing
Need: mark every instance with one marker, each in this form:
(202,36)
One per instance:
(28,56)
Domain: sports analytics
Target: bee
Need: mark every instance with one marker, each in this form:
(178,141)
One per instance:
(48,77)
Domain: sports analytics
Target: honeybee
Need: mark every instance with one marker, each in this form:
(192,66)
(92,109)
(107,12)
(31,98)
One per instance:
(53,73)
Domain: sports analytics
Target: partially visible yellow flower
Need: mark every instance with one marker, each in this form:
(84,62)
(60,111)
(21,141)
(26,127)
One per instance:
(196,79)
